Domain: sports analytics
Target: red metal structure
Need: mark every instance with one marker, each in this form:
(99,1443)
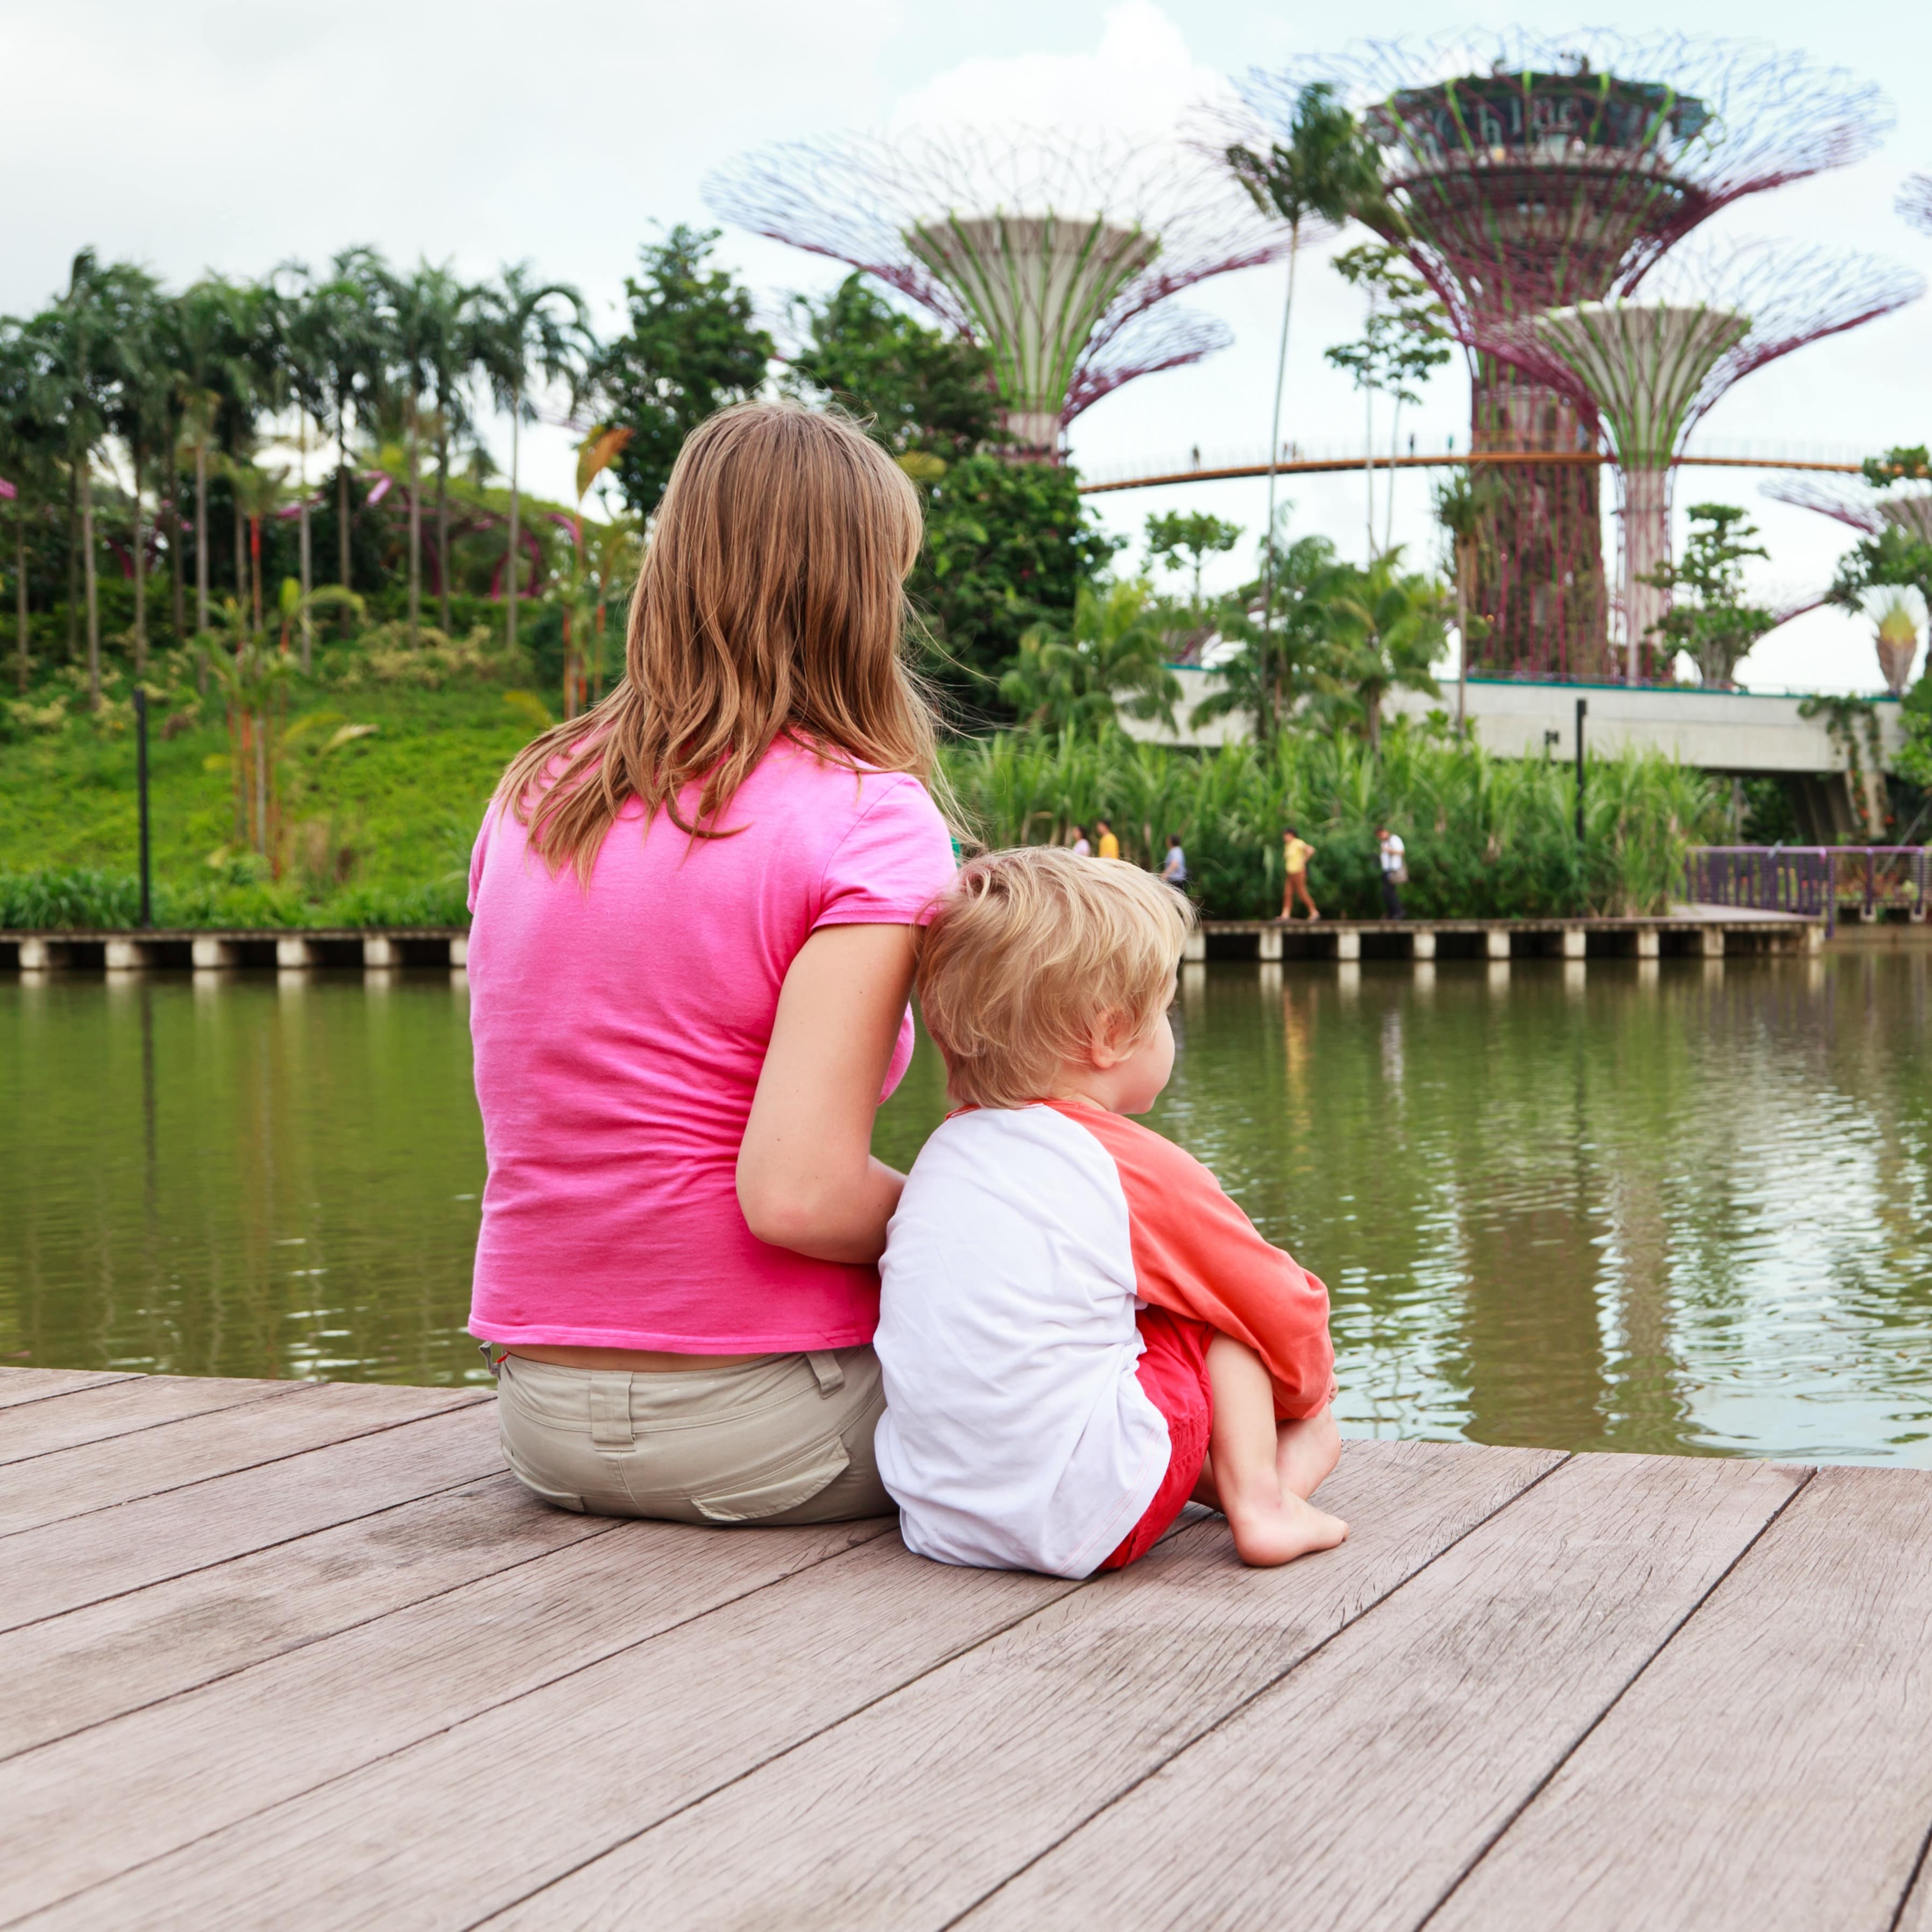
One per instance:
(1523,172)
(1650,366)
(1057,252)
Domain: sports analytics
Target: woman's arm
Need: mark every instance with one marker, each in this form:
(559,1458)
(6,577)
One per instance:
(806,1178)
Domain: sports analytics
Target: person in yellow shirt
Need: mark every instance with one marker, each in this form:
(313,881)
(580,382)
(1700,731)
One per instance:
(1295,853)
(1108,846)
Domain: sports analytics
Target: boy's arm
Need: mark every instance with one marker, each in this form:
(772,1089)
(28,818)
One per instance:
(1196,1254)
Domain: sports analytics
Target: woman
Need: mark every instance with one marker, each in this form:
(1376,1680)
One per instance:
(694,911)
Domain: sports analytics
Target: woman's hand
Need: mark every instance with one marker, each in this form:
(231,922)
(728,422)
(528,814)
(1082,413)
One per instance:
(806,1178)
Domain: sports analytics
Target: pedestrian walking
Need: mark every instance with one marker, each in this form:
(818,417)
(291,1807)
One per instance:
(1174,867)
(1395,871)
(1109,847)
(1295,853)
(1082,850)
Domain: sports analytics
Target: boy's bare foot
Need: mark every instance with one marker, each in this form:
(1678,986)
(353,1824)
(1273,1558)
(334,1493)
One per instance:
(1266,1537)
(1306,1453)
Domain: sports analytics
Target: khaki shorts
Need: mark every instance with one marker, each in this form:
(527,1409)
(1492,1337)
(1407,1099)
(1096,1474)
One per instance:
(776,1439)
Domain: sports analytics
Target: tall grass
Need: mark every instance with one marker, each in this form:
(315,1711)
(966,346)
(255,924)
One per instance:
(1486,837)
(77,898)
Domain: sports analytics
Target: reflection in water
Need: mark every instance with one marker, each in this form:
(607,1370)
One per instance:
(1677,1208)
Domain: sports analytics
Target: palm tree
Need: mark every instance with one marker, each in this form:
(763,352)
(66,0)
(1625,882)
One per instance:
(139,415)
(523,334)
(83,331)
(1077,681)
(451,306)
(31,436)
(1324,173)
(344,341)
(201,336)
(1281,658)
(1388,626)
(429,354)
(256,491)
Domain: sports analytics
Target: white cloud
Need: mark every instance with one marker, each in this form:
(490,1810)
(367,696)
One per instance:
(1141,79)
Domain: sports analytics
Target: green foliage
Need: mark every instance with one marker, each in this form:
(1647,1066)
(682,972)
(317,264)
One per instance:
(381,794)
(1768,818)
(1487,837)
(1903,462)
(693,346)
(1276,665)
(1184,540)
(1895,559)
(1326,170)
(1385,628)
(1077,682)
(1007,547)
(79,898)
(1711,620)
(1406,339)
(914,389)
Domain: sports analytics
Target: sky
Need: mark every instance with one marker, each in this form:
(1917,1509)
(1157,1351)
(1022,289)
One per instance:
(212,134)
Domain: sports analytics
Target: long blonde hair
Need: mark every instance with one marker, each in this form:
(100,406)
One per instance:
(772,600)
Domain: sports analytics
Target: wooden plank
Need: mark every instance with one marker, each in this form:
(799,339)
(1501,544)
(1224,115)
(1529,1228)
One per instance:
(122,1408)
(1917,1915)
(1356,1792)
(908,1814)
(483,1810)
(1769,1771)
(98,1475)
(268,1734)
(62,1566)
(492,1809)
(65,1673)
(24,1385)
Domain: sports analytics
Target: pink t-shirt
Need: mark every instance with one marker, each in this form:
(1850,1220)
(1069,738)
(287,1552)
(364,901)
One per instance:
(619,1034)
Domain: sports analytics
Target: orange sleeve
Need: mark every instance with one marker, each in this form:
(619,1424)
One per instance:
(1196,1254)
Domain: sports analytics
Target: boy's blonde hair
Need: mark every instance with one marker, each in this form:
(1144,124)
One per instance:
(1030,953)
(772,599)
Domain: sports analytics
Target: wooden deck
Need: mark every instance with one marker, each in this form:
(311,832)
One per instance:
(293,1655)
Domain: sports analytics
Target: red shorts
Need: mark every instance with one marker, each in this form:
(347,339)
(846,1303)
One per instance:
(1173,1373)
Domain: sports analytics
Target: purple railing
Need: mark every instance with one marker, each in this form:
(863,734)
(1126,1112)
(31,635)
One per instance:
(1811,881)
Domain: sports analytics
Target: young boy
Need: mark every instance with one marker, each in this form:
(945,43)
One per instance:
(1079,1331)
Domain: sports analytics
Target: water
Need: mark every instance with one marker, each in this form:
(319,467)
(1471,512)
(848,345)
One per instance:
(1682,1208)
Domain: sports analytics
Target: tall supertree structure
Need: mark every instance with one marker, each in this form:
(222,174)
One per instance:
(1905,506)
(1057,254)
(1526,173)
(1650,368)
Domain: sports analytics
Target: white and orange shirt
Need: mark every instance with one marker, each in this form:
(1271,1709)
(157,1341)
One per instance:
(1016,1435)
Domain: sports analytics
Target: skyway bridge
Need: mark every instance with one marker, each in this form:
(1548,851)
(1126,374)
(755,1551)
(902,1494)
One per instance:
(1299,459)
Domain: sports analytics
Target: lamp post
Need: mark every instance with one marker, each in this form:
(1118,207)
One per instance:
(1582,707)
(141,788)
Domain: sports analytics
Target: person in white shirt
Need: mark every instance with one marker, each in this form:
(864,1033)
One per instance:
(1395,871)
(1174,867)
(1079,1329)
(1082,850)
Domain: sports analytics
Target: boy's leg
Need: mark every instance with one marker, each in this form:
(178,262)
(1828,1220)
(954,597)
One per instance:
(1271,1523)
(1306,1452)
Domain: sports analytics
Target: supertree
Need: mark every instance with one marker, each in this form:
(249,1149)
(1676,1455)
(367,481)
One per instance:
(1915,202)
(1523,172)
(1906,507)
(1650,369)
(1056,253)
(1874,508)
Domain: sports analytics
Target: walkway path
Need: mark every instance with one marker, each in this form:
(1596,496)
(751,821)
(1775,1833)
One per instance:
(281,1654)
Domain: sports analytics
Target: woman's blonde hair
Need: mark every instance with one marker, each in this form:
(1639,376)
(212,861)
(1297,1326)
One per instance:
(1030,954)
(772,599)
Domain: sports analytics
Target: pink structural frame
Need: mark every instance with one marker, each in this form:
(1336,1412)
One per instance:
(861,199)
(1523,171)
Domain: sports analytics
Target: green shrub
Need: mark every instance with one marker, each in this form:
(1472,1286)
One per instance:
(1486,837)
